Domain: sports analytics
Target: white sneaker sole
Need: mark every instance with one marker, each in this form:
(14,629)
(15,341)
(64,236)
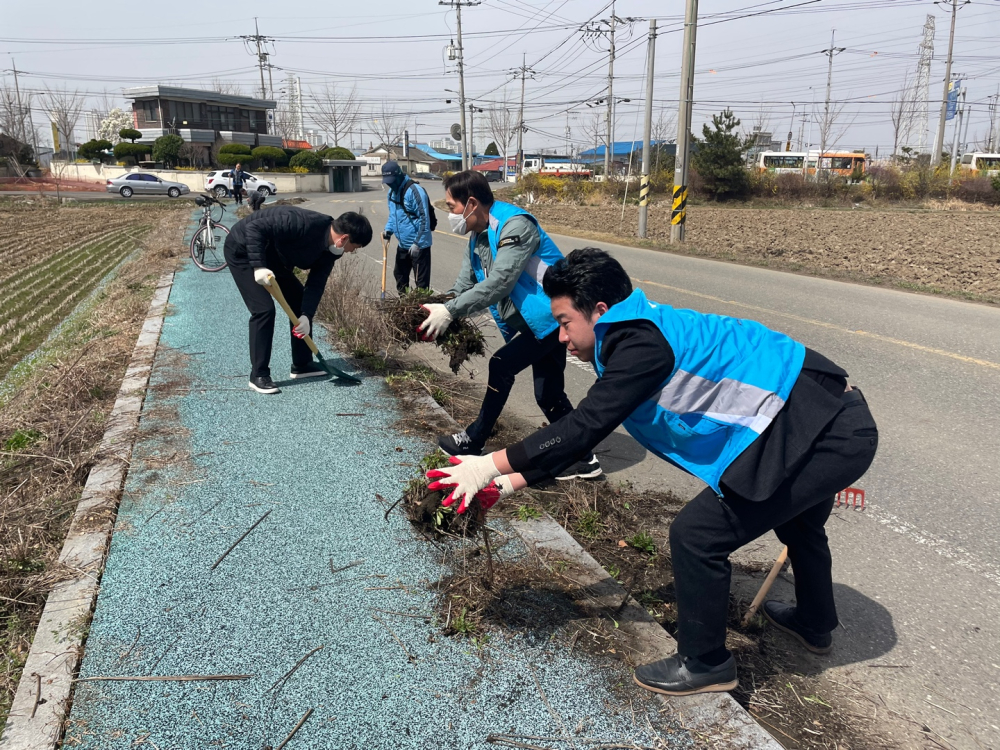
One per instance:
(267,391)
(301,375)
(589,475)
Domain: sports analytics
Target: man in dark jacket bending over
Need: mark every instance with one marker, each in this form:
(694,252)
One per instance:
(265,248)
(770,426)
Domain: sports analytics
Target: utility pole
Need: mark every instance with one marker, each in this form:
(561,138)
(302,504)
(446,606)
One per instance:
(824,134)
(472,135)
(457,5)
(993,111)
(682,158)
(939,139)
(520,118)
(647,131)
(960,111)
(791,126)
(21,111)
(610,126)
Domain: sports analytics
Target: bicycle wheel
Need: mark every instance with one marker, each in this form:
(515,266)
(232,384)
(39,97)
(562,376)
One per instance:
(206,248)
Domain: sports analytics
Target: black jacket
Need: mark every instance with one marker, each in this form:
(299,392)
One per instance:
(636,358)
(283,238)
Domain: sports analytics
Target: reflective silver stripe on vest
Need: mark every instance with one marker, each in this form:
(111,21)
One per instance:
(536,267)
(727,401)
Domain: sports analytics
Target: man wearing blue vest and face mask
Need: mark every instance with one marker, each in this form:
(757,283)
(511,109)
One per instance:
(502,271)
(770,426)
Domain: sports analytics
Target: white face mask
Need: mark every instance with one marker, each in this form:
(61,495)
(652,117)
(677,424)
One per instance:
(337,251)
(458,223)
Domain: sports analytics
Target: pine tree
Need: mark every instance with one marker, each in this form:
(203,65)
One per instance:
(719,158)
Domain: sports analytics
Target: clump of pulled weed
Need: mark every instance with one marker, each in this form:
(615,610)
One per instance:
(425,510)
(460,341)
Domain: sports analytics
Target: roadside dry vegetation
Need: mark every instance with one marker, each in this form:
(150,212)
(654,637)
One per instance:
(53,417)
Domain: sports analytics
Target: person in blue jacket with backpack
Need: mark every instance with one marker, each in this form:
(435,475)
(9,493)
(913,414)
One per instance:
(412,221)
(770,426)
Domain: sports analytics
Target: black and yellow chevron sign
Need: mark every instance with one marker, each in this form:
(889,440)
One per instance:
(644,190)
(680,205)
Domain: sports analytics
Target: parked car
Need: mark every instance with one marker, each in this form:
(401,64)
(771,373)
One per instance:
(143,183)
(426,176)
(220,182)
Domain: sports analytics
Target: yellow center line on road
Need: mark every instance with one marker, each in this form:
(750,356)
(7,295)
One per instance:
(831,326)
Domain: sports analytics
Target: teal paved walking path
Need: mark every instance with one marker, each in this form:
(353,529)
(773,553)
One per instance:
(212,459)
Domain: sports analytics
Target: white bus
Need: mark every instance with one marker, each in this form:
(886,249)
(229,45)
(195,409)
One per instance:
(843,163)
(981,164)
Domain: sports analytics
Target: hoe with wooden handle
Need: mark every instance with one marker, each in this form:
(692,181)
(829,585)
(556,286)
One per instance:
(766,586)
(275,291)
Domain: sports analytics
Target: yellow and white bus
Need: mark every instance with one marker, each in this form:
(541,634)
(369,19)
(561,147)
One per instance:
(843,163)
(980,164)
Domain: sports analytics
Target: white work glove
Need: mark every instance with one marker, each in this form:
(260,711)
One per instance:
(466,476)
(438,319)
(302,329)
(414,250)
(263,276)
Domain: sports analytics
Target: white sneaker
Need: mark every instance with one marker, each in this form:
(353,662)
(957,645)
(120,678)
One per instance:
(588,468)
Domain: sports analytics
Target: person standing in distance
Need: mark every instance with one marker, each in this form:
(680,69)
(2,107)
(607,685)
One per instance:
(239,178)
(410,219)
(502,272)
(265,248)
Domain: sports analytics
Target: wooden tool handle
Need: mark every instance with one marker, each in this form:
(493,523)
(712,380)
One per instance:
(766,586)
(385,262)
(275,291)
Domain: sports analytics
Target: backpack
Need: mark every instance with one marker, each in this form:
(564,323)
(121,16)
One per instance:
(433,221)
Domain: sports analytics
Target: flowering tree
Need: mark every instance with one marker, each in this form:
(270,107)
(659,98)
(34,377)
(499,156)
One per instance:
(116,120)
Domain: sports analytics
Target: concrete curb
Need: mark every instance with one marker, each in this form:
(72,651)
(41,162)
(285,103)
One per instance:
(44,692)
(715,717)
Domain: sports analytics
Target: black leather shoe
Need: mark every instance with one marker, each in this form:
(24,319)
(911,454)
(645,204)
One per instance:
(782,616)
(685,675)
(264,384)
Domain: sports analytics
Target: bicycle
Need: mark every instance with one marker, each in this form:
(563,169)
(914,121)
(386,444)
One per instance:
(210,236)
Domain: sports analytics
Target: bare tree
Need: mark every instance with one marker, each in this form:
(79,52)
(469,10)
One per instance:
(502,124)
(335,112)
(285,123)
(594,132)
(901,113)
(387,125)
(14,114)
(833,126)
(664,131)
(64,108)
(227,87)
(195,153)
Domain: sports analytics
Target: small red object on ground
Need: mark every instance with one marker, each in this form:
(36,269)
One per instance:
(852,497)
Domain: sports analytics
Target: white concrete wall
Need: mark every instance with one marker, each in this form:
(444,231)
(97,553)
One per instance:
(100,173)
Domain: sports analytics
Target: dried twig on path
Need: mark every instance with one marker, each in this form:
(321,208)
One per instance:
(284,678)
(244,536)
(346,567)
(409,657)
(165,678)
(296,728)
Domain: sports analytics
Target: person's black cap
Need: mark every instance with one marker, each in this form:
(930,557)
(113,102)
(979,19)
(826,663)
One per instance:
(390,171)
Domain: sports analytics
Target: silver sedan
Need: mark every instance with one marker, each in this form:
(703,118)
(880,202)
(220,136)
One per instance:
(143,183)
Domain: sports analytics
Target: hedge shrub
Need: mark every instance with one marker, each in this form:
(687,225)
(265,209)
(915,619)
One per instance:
(125,151)
(129,134)
(272,154)
(308,159)
(335,152)
(94,149)
(236,148)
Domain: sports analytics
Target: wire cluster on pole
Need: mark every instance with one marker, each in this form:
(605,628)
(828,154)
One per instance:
(467,157)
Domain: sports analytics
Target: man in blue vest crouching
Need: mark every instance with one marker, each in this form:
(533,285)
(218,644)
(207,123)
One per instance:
(502,271)
(770,426)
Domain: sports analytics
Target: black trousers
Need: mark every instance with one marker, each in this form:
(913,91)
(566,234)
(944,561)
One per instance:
(710,528)
(420,266)
(547,359)
(238,194)
(262,311)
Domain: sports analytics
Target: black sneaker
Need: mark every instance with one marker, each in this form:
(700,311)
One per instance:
(588,468)
(264,384)
(459,444)
(686,675)
(309,371)
(782,616)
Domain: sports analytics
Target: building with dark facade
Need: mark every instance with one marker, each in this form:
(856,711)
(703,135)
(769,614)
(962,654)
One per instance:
(201,117)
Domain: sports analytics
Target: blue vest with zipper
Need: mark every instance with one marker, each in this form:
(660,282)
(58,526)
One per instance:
(527,294)
(731,377)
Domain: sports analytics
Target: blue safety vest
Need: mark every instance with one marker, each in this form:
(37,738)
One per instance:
(527,294)
(731,377)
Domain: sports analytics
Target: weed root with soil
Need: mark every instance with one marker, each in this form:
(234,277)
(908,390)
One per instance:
(460,341)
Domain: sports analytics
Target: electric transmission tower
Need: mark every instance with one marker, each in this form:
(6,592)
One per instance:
(917,128)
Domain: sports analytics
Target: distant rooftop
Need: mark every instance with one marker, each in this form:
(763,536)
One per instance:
(198,95)
(621,148)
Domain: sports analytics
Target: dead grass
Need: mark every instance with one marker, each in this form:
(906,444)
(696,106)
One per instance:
(50,429)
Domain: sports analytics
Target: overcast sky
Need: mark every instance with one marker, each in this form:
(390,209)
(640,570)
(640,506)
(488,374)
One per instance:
(396,51)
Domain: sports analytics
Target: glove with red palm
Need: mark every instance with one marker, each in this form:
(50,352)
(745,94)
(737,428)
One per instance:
(470,477)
